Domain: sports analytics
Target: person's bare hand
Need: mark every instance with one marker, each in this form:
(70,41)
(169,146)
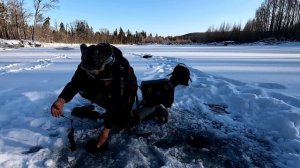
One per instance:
(103,137)
(57,107)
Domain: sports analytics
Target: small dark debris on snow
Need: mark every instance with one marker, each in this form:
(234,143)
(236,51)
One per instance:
(147,56)
(218,108)
(33,149)
(64,48)
(54,134)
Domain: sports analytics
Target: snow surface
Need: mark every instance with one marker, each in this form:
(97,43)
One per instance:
(259,83)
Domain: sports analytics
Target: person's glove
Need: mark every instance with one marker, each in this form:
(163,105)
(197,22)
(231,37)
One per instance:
(57,107)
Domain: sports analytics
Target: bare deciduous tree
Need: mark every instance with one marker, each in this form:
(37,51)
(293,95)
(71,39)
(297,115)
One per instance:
(3,20)
(277,18)
(41,6)
(17,18)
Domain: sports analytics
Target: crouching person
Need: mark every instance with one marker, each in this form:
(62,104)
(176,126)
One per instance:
(106,78)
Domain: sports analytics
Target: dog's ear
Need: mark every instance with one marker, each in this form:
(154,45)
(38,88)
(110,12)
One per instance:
(83,49)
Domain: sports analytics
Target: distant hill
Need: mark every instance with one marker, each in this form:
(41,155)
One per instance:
(194,37)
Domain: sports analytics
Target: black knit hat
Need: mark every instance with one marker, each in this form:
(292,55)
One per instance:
(96,56)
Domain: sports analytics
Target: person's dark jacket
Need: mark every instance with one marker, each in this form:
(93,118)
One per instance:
(114,89)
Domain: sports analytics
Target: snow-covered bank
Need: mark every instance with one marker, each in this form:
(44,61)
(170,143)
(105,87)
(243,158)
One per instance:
(4,44)
(261,129)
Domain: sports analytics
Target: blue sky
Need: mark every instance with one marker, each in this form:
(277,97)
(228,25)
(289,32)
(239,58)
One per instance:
(164,17)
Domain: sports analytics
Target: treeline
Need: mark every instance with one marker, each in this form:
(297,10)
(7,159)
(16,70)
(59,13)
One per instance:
(14,24)
(79,31)
(274,19)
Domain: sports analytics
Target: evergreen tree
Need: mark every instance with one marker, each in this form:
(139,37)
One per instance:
(115,34)
(46,30)
(129,37)
(46,24)
(121,36)
(62,28)
(115,37)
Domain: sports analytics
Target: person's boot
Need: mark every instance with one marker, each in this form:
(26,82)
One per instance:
(87,111)
(158,112)
(161,113)
(146,113)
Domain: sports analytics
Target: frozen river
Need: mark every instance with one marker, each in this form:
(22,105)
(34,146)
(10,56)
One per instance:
(260,85)
(271,67)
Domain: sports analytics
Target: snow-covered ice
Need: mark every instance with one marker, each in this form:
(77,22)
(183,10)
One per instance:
(259,83)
